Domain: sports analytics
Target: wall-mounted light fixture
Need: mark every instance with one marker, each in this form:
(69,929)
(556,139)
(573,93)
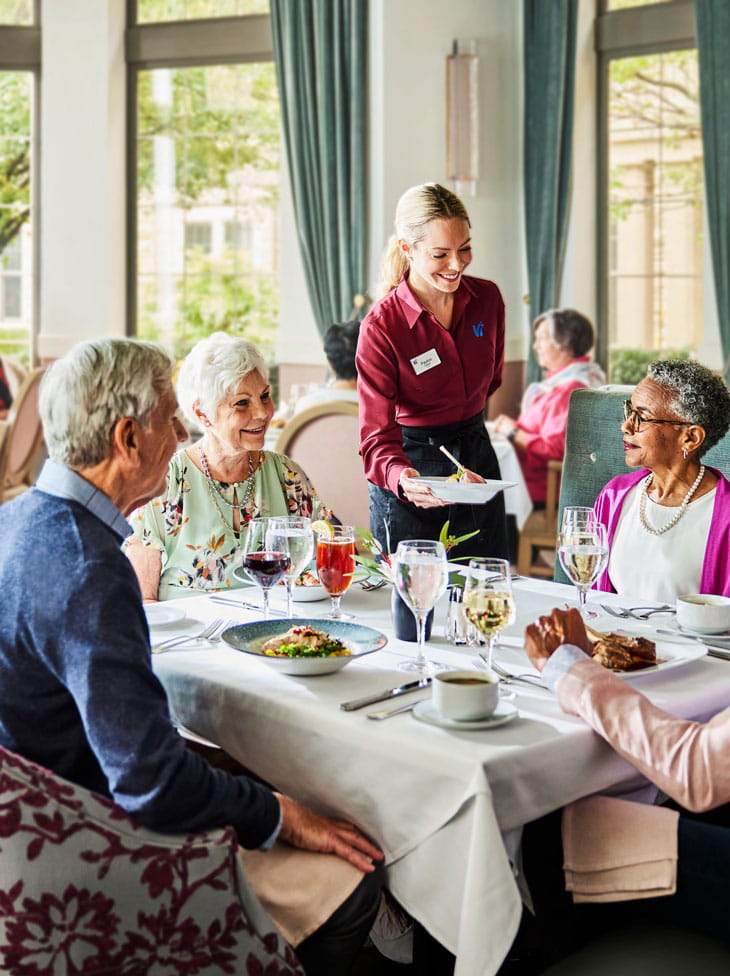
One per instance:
(462,116)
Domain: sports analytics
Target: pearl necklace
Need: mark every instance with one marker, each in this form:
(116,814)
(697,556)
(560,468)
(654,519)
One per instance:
(680,512)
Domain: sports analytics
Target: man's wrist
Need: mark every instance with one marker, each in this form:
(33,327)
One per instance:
(513,433)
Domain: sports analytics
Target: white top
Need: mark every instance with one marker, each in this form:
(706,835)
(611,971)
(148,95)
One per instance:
(659,567)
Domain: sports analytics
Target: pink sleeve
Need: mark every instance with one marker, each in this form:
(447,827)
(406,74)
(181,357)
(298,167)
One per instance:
(688,760)
(548,441)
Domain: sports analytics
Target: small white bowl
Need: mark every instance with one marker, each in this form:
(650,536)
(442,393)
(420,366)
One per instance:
(703,612)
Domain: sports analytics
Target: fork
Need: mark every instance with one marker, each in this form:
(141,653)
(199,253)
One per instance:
(528,679)
(614,611)
(205,634)
(367,585)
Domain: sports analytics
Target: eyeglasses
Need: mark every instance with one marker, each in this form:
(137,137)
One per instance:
(636,420)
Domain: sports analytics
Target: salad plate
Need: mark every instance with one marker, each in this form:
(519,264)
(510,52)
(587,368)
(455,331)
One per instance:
(464,492)
(160,615)
(358,639)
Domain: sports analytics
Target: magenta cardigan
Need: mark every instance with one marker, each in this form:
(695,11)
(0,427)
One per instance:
(716,567)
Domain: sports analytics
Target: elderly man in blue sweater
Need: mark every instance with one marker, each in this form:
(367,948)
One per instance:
(77,692)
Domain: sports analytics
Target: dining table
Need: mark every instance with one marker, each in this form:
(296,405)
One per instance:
(446,805)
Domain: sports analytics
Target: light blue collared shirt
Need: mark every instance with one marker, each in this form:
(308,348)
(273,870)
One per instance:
(560,662)
(56,479)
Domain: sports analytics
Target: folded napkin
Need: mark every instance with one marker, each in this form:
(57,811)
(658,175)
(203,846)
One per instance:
(616,850)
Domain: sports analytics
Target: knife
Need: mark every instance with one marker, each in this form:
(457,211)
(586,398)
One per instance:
(709,640)
(350,706)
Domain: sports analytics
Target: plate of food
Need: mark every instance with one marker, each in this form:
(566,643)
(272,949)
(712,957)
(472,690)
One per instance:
(305,646)
(464,492)
(632,655)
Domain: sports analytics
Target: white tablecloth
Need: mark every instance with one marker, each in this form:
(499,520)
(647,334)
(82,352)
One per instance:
(517,500)
(443,805)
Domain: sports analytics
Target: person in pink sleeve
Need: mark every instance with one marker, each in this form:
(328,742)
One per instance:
(687,760)
(429,355)
(563,341)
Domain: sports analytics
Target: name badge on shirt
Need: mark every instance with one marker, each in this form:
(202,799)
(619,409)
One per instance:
(425,361)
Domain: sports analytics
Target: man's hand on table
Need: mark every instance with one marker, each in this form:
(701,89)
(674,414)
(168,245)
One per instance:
(304,828)
(546,634)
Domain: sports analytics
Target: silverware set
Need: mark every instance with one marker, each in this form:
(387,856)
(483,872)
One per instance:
(509,678)
(637,613)
(212,632)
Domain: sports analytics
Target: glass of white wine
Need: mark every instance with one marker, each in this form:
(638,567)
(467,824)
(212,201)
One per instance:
(421,574)
(583,552)
(296,531)
(489,603)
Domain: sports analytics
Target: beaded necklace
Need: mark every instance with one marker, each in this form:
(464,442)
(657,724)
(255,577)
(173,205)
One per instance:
(677,516)
(216,494)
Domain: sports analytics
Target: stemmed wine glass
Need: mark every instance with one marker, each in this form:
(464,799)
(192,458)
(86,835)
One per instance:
(265,564)
(420,574)
(336,564)
(583,551)
(294,532)
(489,603)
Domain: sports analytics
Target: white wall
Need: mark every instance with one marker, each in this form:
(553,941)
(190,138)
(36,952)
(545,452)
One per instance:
(82,173)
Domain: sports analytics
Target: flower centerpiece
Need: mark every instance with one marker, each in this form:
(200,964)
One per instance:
(379,562)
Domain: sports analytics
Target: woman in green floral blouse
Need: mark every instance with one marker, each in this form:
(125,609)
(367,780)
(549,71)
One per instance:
(190,538)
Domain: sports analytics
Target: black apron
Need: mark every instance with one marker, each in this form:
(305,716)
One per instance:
(469,442)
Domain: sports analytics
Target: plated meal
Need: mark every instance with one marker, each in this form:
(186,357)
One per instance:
(304,646)
(464,492)
(622,652)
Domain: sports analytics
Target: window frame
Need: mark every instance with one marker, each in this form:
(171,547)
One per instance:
(178,44)
(20,50)
(652,29)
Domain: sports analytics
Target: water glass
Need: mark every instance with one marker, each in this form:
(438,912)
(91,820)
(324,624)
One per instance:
(421,574)
(293,533)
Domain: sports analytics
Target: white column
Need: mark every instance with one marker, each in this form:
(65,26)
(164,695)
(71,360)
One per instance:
(82,173)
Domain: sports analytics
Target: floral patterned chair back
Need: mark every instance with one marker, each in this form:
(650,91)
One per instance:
(85,890)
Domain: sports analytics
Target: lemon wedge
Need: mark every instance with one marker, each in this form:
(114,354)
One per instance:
(322,527)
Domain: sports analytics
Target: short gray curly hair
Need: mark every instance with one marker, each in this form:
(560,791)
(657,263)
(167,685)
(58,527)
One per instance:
(696,394)
(84,393)
(211,369)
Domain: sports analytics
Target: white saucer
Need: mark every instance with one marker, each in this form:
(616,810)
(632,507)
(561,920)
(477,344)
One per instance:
(424,711)
(693,632)
(158,615)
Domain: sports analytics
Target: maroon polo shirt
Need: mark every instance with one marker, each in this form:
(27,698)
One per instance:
(413,372)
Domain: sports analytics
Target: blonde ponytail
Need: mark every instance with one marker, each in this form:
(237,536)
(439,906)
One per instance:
(418,206)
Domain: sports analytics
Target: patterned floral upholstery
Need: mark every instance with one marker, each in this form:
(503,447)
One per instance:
(85,890)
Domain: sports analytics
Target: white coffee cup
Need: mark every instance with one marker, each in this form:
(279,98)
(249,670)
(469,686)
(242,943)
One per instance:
(465,695)
(703,612)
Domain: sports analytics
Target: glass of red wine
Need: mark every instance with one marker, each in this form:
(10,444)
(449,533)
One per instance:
(265,563)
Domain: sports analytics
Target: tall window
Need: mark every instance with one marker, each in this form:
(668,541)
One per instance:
(207,172)
(653,270)
(19,57)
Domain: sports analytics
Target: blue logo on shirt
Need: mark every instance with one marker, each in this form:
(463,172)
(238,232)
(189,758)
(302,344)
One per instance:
(478,330)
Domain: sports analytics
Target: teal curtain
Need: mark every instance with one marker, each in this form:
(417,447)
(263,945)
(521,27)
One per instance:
(549,31)
(713,44)
(320,48)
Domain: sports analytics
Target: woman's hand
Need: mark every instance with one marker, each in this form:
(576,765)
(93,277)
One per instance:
(504,425)
(418,494)
(547,634)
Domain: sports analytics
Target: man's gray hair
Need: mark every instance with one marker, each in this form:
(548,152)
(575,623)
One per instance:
(697,395)
(211,368)
(83,395)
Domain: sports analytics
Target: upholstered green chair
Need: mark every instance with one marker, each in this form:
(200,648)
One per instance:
(594,449)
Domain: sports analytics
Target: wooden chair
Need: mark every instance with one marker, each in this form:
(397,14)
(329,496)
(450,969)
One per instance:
(540,530)
(22,439)
(324,440)
(85,889)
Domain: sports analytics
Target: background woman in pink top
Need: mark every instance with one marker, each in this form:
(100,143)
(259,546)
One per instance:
(430,353)
(563,339)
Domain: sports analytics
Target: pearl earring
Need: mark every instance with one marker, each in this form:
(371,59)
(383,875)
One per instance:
(684,453)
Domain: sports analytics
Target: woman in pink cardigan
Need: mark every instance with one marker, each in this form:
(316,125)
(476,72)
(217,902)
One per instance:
(668,523)
(623,861)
